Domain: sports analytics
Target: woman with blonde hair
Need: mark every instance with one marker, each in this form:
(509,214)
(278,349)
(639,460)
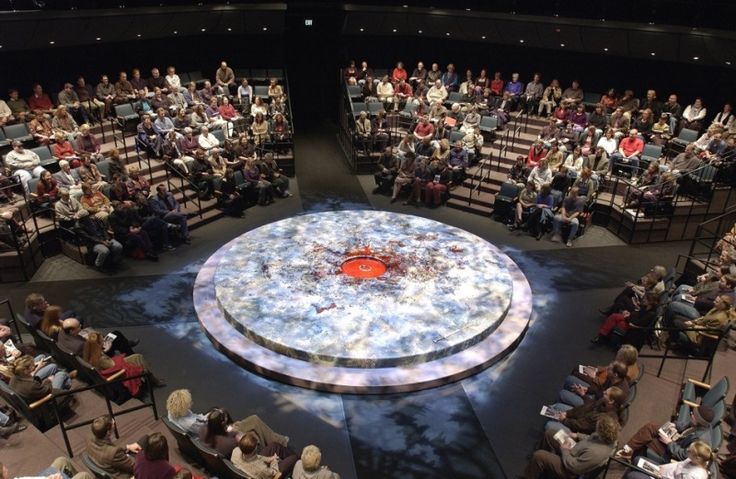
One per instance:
(711,323)
(134,364)
(179,409)
(309,466)
(697,465)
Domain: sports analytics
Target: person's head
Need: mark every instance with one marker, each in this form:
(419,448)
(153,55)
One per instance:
(617,371)
(614,396)
(700,454)
(451,67)
(627,354)
(37,89)
(36,303)
(651,95)
(161,188)
(248,443)
(102,426)
(218,420)
(179,403)
(543,164)
(86,189)
(728,281)
(223,66)
(93,349)
(531,186)
(155,73)
(46,176)
(17,146)
(136,73)
(698,103)
(156,448)
(580,108)
(23,366)
(52,316)
(607,429)
(722,303)
(311,458)
(71,326)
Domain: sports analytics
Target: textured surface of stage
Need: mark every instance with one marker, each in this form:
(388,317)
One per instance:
(362,301)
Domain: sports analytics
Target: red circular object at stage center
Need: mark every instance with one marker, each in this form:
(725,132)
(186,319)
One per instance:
(363,267)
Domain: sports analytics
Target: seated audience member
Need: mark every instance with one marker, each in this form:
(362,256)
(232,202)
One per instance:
(685,162)
(18,106)
(69,99)
(271,461)
(159,101)
(572,208)
(561,182)
(28,383)
(624,320)
(574,163)
(124,91)
(108,251)
(69,210)
(597,162)
(224,78)
(724,119)
(255,179)
(272,173)
(532,94)
(41,129)
(171,153)
(406,174)
(524,203)
(105,93)
(660,448)
(87,143)
(576,390)
(230,200)
(63,149)
(688,307)
(96,204)
(388,164)
(577,118)
(696,466)
(149,136)
(191,95)
(173,80)
(629,103)
(47,191)
(540,174)
(259,106)
(644,122)
(437,93)
(118,165)
(598,118)
(90,174)
(137,82)
(35,307)
(309,465)
(583,418)
(585,184)
(182,121)
(200,173)
(608,142)
(222,434)
(536,153)
(450,79)
(693,116)
(628,154)
(245,93)
(61,468)
(40,102)
(458,161)
(711,323)
(275,91)
(619,122)
(165,206)
(550,98)
(132,364)
(588,140)
(514,88)
(541,213)
(137,183)
(24,164)
(179,411)
(572,95)
(152,462)
(115,460)
(157,81)
(589,453)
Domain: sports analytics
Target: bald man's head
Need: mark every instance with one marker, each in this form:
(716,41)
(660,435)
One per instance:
(70,325)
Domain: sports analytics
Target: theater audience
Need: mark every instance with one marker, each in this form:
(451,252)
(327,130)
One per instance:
(222,434)
(133,364)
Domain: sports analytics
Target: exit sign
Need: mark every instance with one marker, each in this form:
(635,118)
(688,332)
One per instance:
(308,22)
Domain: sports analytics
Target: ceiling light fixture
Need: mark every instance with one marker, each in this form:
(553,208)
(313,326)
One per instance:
(605,49)
(562,45)
(448,34)
(51,42)
(696,58)
(394,30)
(653,54)
(139,35)
(265,29)
(176,32)
(521,41)
(727,62)
(362,29)
(483,37)
(98,39)
(204,29)
(229,29)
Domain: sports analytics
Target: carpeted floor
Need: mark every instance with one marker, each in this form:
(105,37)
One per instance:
(484,426)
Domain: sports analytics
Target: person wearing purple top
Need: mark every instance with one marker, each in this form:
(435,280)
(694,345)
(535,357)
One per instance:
(515,87)
(458,161)
(578,118)
(449,78)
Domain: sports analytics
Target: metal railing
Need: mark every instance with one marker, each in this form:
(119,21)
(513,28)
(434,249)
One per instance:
(12,323)
(101,387)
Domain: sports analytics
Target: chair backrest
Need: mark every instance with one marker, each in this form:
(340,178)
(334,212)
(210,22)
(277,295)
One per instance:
(239,179)
(260,90)
(104,167)
(489,122)
(454,97)
(19,130)
(67,358)
(652,151)
(716,438)
(184,78)
(123,110)
(374,107)
(589,97)
(33,331)
(410,107)
(509,190)
(212,460)
(98,472)
(195,76)
(359,106)
(2,135)
(32,183)
(47,341)
(258,73)
(234,472)
(43,152)
(220,135)
(716,393)
(687,135)
(183,440)
(456,135)
(20,405)
(277,73)
(88,372)
(354,91)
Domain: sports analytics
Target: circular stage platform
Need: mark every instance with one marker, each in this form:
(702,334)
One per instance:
(362,301)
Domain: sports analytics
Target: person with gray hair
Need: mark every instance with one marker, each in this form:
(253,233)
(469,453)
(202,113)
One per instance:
(66,179)
(25,164)
(309,466)
(69,209)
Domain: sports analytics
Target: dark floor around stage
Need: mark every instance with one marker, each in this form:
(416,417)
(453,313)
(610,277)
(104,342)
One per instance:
(484,426)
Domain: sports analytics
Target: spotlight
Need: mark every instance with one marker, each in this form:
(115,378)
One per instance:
(139,35)
(562,45)
(394,30)
(204,29)
(521,41)
(229,29)
(176,32)
(605,49)
(419,31)
(448,34)
(727,62)
(653,54)
(98,39)
(362,29)
(483,37)
(696,58)
(265,29)
(51,42)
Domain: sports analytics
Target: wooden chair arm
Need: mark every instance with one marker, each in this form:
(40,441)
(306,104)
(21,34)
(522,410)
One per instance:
(697,383)
(690,403)
(714,337)
(116,375)
(41,401)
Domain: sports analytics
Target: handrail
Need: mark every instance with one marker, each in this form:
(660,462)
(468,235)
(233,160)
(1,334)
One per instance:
(11,320)
(65,428)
